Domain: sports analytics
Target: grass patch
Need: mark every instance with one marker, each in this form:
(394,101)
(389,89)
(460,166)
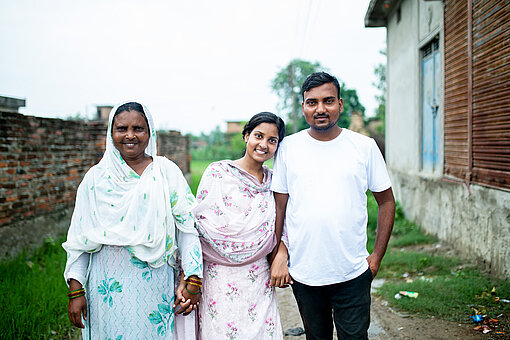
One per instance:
(405,233)
(448,287)
(197,169)
(453,296)
(33,299)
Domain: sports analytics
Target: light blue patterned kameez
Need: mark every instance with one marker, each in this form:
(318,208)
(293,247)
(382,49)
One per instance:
(127,299)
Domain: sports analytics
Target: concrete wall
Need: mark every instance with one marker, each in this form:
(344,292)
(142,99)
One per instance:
(475,221)
(42,162)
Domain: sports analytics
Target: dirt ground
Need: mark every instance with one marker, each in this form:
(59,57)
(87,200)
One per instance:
(386,323)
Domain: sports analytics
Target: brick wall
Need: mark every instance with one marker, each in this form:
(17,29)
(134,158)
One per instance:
(176,147)
(42,162)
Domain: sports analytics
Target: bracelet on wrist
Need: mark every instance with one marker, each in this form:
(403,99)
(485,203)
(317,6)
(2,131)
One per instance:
(192,292)
(199,285)
(76,296)
(76,293)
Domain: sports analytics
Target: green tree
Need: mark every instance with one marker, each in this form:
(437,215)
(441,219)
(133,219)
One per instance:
(351,104)
(287,85)
(380,84)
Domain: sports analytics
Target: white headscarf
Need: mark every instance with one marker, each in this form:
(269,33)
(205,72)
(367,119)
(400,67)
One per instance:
(116,206)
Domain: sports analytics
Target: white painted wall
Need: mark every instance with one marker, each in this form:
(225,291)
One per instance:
(420,22)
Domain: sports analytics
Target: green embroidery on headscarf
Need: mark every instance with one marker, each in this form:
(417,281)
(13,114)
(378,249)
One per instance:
(122,218)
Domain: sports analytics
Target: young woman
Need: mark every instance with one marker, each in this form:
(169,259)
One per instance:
(132,213)
(235,220)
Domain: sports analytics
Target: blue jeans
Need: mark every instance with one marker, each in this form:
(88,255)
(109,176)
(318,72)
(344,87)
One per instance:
(346,303)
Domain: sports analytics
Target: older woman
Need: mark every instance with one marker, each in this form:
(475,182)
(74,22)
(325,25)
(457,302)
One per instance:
(132,214)
(236,221)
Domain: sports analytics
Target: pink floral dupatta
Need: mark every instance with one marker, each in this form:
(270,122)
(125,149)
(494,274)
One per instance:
(235,215)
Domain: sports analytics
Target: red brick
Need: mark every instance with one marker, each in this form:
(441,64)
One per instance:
(5,220)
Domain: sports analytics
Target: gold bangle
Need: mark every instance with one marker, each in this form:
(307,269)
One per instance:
(193,280)
(194,284)
(77,295)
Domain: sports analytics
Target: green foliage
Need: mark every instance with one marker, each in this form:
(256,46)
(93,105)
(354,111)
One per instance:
(197,169)
(380,73)
(217,145)
(33,298)
(237,146)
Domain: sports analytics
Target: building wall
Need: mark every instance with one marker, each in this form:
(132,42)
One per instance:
(475,221)
(402,120)
(42,162)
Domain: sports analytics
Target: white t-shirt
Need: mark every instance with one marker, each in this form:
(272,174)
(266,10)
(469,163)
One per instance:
(326,215)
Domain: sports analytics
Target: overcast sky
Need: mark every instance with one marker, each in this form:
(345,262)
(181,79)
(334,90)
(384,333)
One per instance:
(195,64)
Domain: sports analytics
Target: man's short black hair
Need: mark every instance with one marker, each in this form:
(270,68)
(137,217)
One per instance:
(317,79)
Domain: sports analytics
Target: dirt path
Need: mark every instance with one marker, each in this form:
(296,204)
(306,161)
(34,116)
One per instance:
(386,324)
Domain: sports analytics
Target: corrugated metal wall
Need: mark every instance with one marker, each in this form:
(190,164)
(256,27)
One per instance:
(491,92)
(455,89)
(477,91)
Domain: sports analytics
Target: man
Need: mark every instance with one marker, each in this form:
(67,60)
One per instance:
(320,180)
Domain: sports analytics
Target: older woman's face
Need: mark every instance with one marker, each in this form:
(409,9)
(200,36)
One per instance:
(130,134)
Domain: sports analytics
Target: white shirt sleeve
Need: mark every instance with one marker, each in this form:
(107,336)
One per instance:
(377,174)
(279,180)
(78,270)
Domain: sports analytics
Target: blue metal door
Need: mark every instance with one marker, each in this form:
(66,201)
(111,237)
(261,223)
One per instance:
(431,76)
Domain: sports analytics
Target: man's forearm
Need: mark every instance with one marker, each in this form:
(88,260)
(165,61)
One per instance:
(385,220)
(281,209)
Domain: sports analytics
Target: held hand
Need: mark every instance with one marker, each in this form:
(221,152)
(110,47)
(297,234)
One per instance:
(186,301)
(280,276)
(192,294)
